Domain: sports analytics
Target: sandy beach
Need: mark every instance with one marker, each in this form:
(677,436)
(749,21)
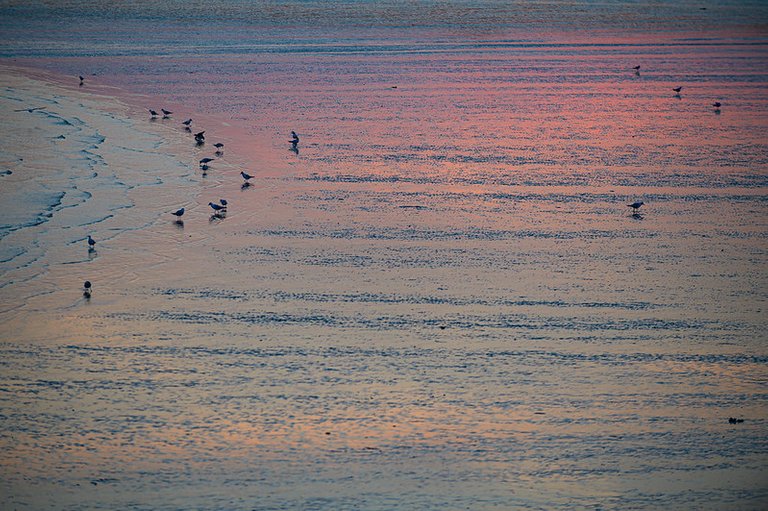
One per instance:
(439,300)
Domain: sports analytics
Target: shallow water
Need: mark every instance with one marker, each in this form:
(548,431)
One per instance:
(440,301)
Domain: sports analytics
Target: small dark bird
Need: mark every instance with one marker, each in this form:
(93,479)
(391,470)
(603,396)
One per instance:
(81,79)
(187,123)
(216,207)
(223,202)
(91,242)
(636,205)
(734,420)
(247,177)
(294,138)
(166,113)
(178,212)
(205,161)
(636,68)
(717,104)
(87,289)
(677,89)
(153,113)
(218,146)
(200,135)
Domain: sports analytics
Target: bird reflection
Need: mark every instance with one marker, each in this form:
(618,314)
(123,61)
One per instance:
(294,149)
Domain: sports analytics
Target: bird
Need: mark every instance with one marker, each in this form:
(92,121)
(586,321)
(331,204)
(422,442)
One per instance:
(247,177)
(178,212)
(717,104)
(636,205)
(294,138)
(223,202)
(81,79)
(218,146)
(200,135)
(636,68)
(154,114)
(166,113)
(87,289)
(187,123)
(216,207)
(91,242)
(205,161)
(677,89)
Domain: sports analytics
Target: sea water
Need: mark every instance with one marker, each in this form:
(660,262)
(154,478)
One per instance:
(438,300)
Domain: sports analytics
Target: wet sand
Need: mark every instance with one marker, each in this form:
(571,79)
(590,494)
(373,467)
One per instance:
(354,336)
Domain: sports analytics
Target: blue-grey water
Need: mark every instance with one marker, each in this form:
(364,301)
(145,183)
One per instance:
(439,300)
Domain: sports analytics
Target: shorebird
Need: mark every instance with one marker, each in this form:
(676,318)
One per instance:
(178,212)
(154,114)
(636,68)
(200,135)
(87,289)
(205,161)
(636,205)
(216,207)
(717,104)
(294,138)
(247,177)
(166,113)
(218,146)
(91,242)
(81,79)
(677,89)
(223,202)
(187,123)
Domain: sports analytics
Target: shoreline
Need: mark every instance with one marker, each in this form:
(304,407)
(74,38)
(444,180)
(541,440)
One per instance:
(115,158)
